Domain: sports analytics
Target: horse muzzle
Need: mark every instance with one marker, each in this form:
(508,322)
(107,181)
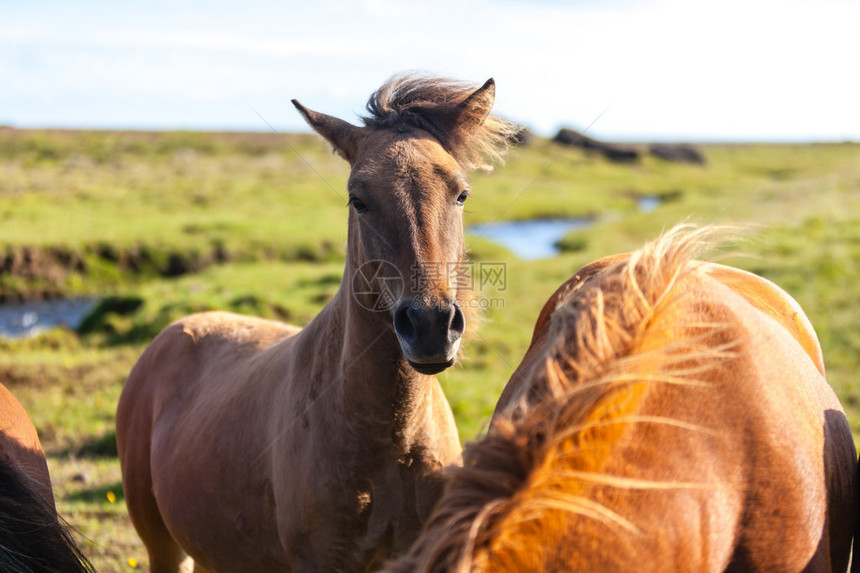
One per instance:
(429,335)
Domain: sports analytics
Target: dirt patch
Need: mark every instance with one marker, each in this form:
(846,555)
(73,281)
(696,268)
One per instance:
(31,273)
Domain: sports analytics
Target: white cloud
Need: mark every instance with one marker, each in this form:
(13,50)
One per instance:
(730,69)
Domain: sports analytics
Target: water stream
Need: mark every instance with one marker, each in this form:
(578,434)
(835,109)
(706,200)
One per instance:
(538,238)
(529,240)
(28,319)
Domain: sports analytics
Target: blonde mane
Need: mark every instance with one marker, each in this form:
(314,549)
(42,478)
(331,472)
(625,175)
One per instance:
(611,343)
(434,104)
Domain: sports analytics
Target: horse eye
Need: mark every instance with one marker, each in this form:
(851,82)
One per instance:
(359,205)
(462,198)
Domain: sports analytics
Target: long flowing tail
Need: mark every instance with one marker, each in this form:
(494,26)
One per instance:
(33,539)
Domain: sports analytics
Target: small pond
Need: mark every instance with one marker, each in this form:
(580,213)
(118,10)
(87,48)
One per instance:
(647,203)
(538,238)
(23,320)
(529,240)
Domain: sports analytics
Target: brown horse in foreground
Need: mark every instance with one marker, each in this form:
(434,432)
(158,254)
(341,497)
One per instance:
(250,445)
(669,415)
(32,536)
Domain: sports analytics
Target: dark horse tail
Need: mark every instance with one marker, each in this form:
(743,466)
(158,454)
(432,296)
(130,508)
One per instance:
(32,537)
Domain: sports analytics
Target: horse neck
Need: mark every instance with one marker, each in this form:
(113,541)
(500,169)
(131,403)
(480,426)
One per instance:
(375,393)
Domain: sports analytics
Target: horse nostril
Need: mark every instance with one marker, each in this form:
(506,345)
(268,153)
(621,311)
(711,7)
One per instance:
(427,329)
(403,325)
(458,322)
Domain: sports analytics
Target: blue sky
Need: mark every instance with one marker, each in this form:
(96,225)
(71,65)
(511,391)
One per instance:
(644,69)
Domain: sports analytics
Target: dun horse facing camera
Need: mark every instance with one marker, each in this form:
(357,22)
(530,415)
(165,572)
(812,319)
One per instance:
(251,445)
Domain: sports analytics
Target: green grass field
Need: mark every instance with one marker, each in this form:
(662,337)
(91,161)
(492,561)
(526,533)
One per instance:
(170,223)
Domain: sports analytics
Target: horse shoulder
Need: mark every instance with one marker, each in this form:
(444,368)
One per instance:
(202,342)
(436,448)
(445,441)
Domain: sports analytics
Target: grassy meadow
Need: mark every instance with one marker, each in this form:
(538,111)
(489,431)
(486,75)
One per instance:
(158,225)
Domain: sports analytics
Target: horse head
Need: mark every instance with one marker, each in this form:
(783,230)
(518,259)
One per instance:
(407,188)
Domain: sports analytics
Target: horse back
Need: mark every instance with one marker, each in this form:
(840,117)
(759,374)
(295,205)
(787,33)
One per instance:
(774,303)
(762,294)
(193,356)
(20,446)
(783,443)
(751,449)
(196,370)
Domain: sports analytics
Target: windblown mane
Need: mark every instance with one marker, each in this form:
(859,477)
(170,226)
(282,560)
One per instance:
(532,471)
(433,103)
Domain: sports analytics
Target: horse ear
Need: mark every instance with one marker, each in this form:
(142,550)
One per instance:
(344,137)
(476,108)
